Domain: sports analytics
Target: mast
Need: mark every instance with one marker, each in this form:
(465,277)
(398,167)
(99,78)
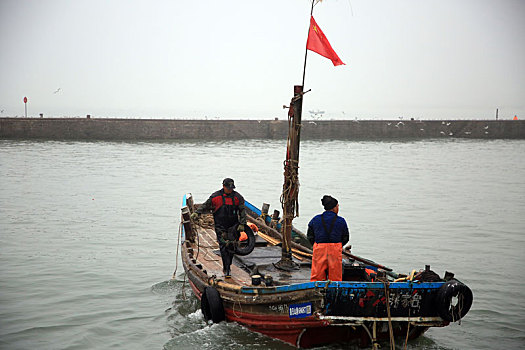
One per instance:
(290,194)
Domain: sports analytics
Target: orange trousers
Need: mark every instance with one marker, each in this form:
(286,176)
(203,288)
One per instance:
(327,262)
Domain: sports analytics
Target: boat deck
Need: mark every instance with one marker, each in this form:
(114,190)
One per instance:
(260,261)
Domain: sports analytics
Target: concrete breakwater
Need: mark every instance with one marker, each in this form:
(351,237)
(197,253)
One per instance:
(166,129)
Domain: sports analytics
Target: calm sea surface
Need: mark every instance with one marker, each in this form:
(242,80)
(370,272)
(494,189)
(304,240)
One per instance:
(88,233)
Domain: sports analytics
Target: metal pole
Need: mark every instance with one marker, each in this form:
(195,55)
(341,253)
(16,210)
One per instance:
(306,50)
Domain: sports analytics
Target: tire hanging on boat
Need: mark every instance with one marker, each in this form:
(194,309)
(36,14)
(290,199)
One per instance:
(246,247)
(445,308)
(211,305)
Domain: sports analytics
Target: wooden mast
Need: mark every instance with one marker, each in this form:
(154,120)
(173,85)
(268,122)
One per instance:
(290,194)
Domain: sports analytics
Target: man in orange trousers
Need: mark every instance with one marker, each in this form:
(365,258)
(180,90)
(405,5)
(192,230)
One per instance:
(328,233)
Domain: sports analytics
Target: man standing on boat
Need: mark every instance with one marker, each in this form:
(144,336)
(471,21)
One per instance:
(328,232)
(229,214)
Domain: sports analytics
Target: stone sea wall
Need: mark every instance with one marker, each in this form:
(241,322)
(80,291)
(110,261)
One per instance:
(164,129)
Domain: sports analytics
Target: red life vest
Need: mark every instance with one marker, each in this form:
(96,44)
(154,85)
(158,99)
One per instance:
(225,208)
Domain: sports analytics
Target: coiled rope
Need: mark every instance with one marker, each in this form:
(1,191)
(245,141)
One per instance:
(289,196)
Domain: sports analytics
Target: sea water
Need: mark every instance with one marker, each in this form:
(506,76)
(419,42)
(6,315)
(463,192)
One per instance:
(89,233)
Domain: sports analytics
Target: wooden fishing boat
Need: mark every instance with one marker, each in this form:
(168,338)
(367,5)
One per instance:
(270,291)
(285,305)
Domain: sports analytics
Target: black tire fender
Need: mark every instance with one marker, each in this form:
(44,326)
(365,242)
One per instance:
(211,305)
(446,309)
(246,248)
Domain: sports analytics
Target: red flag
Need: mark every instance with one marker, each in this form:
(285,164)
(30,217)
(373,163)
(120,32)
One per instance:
(317,42)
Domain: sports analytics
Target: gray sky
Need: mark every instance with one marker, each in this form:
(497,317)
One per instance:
(240,59)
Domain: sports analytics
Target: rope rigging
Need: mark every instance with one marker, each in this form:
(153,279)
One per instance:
(289,197)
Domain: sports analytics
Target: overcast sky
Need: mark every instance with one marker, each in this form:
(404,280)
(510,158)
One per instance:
(240,58)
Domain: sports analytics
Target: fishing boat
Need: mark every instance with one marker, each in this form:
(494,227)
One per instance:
(270,291)
(283,303)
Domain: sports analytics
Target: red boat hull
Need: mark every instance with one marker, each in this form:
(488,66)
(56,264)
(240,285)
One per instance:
(310,331)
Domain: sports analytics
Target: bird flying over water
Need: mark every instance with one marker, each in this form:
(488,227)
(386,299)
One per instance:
(57,90)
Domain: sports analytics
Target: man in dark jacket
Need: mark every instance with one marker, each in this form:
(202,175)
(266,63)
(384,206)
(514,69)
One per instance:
(229,214)
(328,233)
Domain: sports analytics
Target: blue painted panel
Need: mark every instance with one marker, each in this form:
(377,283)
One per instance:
(380,285)
(183,205)
(341,285)
(268,219)
(252,207)
(300,310)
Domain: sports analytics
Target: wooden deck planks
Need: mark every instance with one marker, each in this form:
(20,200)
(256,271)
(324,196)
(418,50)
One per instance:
(209,257)
(212,262)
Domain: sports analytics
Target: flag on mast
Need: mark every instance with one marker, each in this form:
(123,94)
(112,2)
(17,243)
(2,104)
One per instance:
(317,42)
